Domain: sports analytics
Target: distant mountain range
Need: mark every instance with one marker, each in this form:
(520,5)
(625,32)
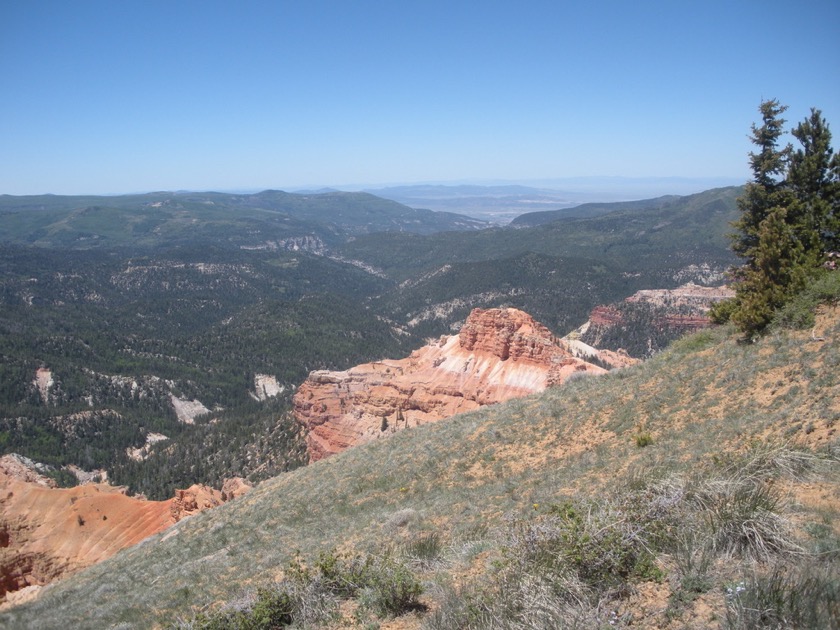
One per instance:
(501,202)
(166,218)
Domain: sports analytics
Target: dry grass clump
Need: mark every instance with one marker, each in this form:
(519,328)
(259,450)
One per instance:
(423,551)
(743,519)
(575,563)
(804,595)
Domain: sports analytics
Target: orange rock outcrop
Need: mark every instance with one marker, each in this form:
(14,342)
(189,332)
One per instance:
(499,354)
(48,532)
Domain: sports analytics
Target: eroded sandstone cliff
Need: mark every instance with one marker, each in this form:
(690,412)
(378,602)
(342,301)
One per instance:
(499,354)
(48,532)
(649,319)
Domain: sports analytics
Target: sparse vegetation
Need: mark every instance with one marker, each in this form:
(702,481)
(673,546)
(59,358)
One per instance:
(800,310)
(574,564)
(310,597)
(788,595)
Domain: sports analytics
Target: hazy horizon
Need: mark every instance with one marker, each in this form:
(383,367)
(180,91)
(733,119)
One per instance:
(592,184)
(105,97)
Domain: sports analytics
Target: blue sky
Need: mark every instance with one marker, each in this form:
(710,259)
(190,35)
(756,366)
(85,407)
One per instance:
(129,96)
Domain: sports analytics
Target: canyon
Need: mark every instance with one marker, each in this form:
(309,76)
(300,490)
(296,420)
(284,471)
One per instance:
(498,354)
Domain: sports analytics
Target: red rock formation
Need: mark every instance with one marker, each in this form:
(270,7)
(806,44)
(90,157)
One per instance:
(686,307)
(605,316)
(48,532)
(499,354)
(689,305)
(666,314)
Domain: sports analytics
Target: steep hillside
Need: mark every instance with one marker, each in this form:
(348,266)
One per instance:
(643,461)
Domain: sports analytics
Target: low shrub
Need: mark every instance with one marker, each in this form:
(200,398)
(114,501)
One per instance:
(807,596)
(692,343)
(382,584)
(600,543)
(391,589)
(800,310)
(309,597)
(643,439)
(269,608)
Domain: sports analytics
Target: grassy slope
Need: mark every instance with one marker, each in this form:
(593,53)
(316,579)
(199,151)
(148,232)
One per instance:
(461,477)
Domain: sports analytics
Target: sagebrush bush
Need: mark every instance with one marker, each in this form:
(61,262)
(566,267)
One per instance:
(391,589)
(268,608)
(601,544)
(382,584)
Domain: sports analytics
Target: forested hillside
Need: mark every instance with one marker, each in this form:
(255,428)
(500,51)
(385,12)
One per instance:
(125,317)
(267,219)
(557,272)
(120,335)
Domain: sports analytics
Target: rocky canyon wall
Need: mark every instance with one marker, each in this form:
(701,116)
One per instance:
(498,354)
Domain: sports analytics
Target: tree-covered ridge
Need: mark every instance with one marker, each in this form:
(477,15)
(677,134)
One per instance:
(647,236)
(589,210)
(267,219)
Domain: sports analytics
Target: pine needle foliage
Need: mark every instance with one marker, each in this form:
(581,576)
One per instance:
(790,218)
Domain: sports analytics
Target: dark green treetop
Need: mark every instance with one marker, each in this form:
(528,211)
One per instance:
(768,189)
(814,178)
(790,217)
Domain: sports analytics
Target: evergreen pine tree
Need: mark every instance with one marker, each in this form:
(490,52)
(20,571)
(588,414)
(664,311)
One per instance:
(768,189)
(789,218)
(814,178)
(777,271)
